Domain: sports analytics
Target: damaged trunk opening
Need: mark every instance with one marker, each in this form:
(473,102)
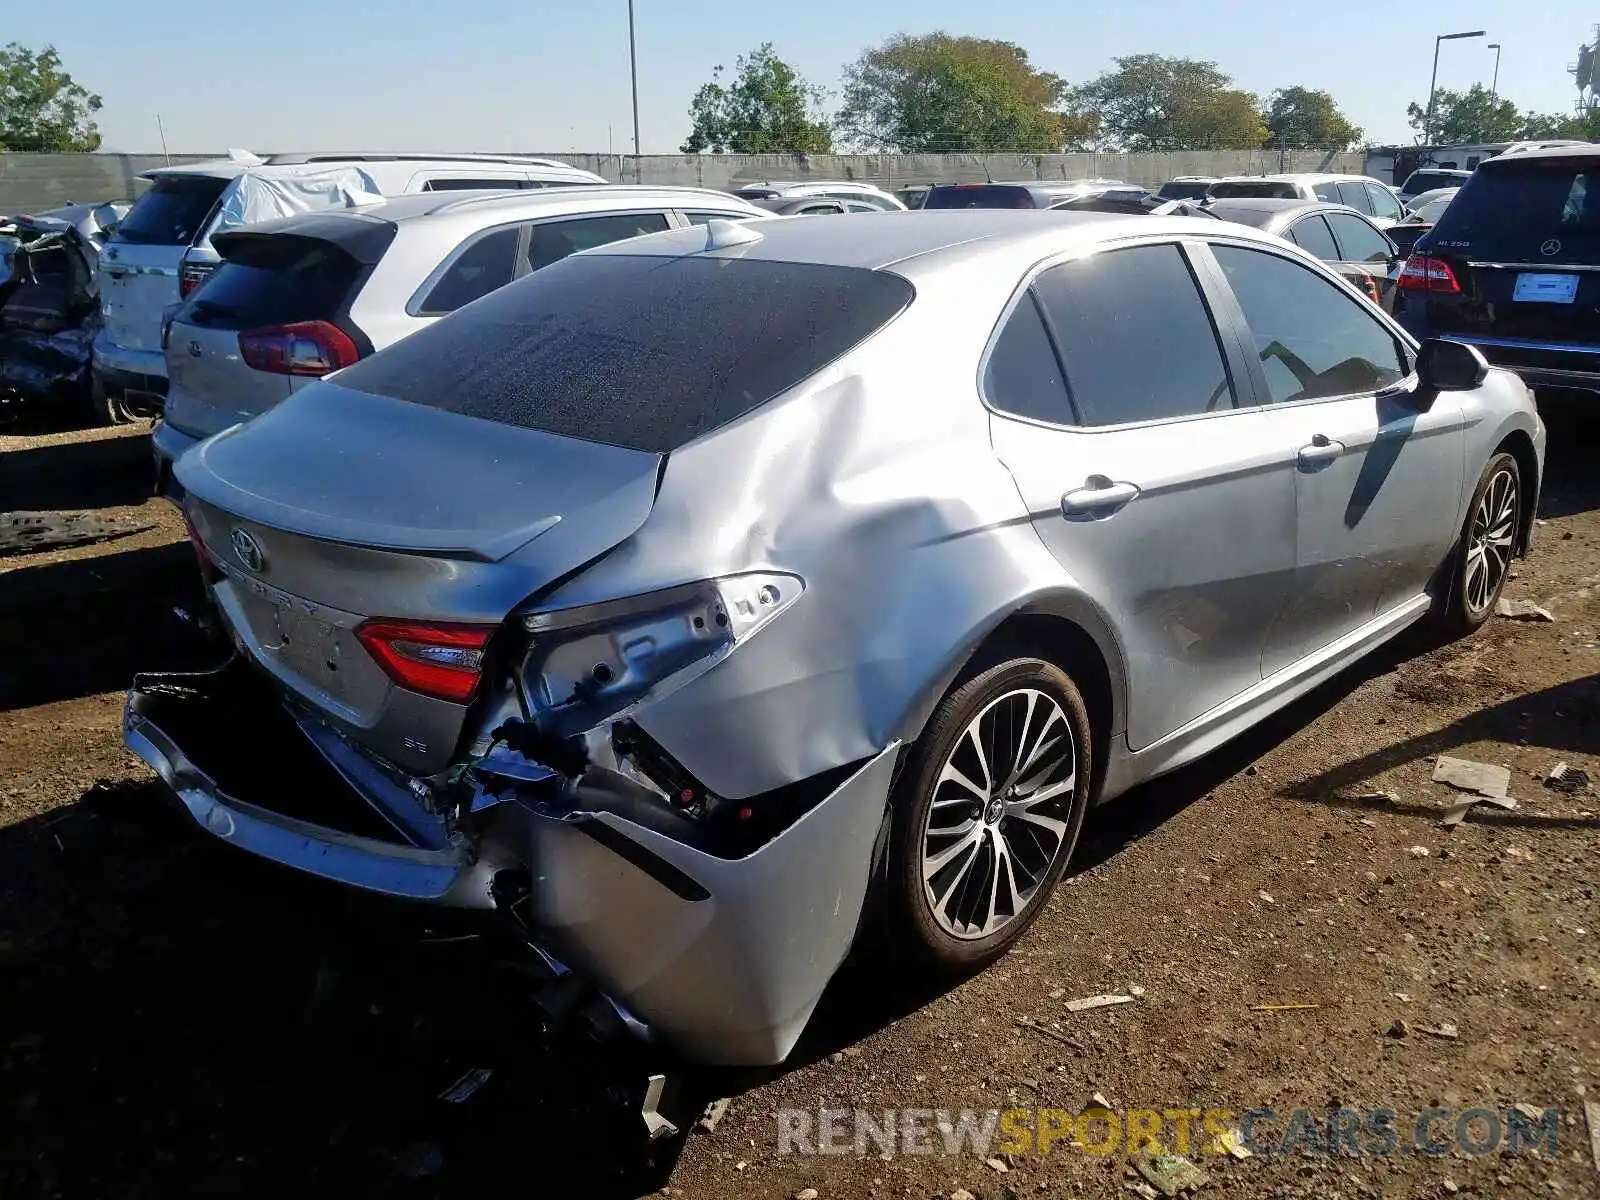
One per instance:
(49,313)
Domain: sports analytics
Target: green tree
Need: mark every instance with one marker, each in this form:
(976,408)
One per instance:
(937,93)
(767,109)
(1544,126)
(1308,117)
(41,107)
(1153,102)
(1475,115)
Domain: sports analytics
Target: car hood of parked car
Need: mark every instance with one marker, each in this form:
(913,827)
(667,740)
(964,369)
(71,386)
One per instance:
(339,465)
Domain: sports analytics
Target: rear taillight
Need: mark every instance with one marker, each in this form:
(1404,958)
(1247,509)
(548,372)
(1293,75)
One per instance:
(442,661)
(191,276)
(302,348)
(1423,273)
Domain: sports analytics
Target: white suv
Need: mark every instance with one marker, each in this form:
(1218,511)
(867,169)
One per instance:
(299,298)
(1367,196)
(162,250)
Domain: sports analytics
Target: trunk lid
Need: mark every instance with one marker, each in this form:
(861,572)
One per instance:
(337,506)
(209,387)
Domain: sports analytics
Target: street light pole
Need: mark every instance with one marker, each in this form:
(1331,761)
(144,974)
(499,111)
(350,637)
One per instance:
(1494,85)
(1433,86)
(633,71)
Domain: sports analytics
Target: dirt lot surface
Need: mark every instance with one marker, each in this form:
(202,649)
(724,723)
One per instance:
(176,1019)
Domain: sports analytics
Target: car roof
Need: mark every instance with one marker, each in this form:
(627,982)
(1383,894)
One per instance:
(1273,211)
(303,164)
(487,206)
(1586,150)
(873,241)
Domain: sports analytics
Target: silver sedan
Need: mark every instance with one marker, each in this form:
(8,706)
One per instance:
(714,602)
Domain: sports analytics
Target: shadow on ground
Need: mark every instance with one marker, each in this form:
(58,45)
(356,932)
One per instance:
(89,474)
(1571,483)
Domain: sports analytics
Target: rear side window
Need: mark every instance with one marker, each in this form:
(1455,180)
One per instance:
(1313,339)
(473,185)
(1135,335)
(1183,191)
(1384,203)
(636,351)
(486,264)
(1254,189)
(1355,196)
(1023,375)
(700,218)
(1358,241)
(272,280)
(1512,209)
(979,195)
(554,240)
(1328,193)
(172,213)
(1312,235)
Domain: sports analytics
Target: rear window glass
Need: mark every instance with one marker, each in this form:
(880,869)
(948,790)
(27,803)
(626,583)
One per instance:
(1517,208)
(1426,181)
(1186,190)
(272,281)
(172,212)
(982,195)
(1254,189)
(643,352)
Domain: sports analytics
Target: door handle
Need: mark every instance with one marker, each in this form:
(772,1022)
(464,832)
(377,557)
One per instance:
(1097,494)
(1321,450)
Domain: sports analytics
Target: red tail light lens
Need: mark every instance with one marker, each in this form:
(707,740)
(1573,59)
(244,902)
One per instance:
(1424,274)
(302,348)
(191,276)
(442,661)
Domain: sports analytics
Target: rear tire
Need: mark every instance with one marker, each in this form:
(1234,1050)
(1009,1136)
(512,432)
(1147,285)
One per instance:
(986,815)
(1480,564)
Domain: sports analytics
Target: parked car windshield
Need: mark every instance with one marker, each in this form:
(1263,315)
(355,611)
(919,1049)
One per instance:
(1426,181)
(979,195)
(1263,189)
(1515,208)
(172,212)
(1183,189)
(637,351)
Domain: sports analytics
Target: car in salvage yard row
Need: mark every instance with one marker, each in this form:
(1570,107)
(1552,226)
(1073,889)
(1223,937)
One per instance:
(1341,237)
(710,601)
(303,296)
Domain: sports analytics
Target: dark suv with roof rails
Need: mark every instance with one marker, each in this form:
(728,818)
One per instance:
(1513,267)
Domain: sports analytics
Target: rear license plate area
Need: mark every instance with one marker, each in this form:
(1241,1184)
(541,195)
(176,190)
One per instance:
(1545,288)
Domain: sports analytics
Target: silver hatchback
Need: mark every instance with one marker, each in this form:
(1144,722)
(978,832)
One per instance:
(714,602)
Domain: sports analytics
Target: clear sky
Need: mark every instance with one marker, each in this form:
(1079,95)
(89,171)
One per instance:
(552,75)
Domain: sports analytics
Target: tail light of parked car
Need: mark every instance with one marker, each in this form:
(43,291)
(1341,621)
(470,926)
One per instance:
(442,661)
(302,348)
(1423,273)
(209,570)
(191,276)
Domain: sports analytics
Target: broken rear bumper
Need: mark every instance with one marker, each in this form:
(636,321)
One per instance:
(724,958)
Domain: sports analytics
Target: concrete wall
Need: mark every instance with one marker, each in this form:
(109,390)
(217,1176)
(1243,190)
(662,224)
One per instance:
(30,182)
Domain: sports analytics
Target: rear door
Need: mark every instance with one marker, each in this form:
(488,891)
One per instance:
(139,269)
(1373,471)
(1144,465)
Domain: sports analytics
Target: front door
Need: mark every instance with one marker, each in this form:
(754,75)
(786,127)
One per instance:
(1375,472)
(1145,476)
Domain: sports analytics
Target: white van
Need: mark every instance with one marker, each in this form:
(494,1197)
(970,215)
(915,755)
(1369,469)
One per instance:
(161,252)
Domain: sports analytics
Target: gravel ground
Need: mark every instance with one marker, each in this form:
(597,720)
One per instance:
(178,1019)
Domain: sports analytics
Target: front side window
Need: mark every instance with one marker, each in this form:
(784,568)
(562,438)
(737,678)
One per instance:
(554,240)
(1314,340)
(1136,338)
(1354,195)
(1359,241)
(1384,204)
(486,264)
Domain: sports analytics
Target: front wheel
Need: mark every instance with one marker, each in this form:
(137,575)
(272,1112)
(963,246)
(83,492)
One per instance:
(1481,562)
(987,814)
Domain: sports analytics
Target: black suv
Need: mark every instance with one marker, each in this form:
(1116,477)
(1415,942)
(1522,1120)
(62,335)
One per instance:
(1513,266)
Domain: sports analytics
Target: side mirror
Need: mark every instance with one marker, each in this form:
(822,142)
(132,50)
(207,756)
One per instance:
(1445,366)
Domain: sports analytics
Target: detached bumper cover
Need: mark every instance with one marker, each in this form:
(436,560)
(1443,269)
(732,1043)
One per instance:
(725,959)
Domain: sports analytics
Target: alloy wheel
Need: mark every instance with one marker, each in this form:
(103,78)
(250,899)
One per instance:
(999,814)
(1490,541)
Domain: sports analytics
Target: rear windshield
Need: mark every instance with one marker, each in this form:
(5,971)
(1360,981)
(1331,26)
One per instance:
(979,195)
(1186,190)
(643,352)
(1253,189)
(172,212)
(1535,209)
(272,280)
(1426,181)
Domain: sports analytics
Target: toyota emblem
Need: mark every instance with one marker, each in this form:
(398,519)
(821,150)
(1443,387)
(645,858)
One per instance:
(1551,246)
(194,350)
(247,550)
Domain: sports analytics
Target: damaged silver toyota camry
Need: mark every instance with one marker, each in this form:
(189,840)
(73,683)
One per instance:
(695,598)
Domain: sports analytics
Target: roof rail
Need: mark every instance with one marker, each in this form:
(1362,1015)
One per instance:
(409,156)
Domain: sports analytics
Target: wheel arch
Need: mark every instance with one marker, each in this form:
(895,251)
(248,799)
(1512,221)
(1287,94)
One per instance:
(1519,445)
